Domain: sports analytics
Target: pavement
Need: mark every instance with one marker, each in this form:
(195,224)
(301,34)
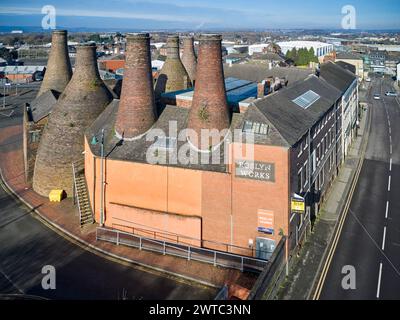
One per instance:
(306,267)
(63,221)
(370,239)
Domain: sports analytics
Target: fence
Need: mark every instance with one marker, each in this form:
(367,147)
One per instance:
(216,258)
(188,241)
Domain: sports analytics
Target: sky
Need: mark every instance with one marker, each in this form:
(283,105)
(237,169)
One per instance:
(202,14)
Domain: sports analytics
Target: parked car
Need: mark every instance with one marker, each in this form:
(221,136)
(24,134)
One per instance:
(391,94)
(368,80)
(377,97)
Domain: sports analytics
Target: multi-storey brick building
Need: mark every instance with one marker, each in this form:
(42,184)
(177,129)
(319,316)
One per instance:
(242,205)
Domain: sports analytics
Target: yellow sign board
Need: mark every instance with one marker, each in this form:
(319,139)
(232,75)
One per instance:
(298,206)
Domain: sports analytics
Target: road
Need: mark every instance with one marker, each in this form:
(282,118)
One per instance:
(26,245)
(370,238)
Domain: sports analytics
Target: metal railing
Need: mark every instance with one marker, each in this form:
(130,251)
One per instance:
(185,240)
(214,257)
(223,293)
(76,196)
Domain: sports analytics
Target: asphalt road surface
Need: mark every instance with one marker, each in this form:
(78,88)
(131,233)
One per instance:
(370,239)
(26,245)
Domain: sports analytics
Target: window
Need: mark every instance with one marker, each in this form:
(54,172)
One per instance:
(306,173)
(299,181)
(321,180)
(34,136)
(300,149)
(255,127)
(306,99)
(306,144)
(326,144)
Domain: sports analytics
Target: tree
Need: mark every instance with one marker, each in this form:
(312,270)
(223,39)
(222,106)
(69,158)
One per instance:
(313,57)
(302,57)
(6,54)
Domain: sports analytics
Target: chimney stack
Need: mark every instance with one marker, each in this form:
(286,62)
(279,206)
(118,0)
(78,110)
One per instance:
(58,71)
(137,111)
(261,89)
(173,75)
(62,143)
(189,57)
(209,107)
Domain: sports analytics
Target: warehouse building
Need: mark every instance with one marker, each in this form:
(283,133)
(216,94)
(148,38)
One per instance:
(320,48)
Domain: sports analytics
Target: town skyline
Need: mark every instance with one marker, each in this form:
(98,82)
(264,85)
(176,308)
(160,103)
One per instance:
(202,15)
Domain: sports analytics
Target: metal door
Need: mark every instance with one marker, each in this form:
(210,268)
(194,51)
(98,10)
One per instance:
(264,248)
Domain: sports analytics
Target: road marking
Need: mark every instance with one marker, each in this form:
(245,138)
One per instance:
(387,209)
(384,239)
(391,149)
(12,282)
(338,233)
(391,162)
(389,183)
(378,291)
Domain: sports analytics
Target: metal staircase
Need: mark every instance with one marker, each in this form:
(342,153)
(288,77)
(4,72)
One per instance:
(81,197)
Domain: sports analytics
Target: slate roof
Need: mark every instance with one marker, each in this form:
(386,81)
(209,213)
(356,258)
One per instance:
(137,150)
(348,56)
(269,56)
(348,66)
(337,76)
(42,105)
(291,120)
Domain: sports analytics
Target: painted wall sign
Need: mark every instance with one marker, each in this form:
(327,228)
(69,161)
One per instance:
(265,221)
(255,170)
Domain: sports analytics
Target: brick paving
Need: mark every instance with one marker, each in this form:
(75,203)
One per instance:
(64,216)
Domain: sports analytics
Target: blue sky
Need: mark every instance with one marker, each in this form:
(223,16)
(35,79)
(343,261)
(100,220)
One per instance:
(202,14)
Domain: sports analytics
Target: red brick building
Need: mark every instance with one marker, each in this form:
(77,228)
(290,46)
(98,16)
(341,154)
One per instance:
(241,203)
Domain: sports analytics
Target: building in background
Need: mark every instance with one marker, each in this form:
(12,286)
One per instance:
(320,48)
(376,61)
(354,59)
(391,62)
(21,74)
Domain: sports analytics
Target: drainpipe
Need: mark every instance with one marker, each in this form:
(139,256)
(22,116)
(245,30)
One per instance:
(102,180)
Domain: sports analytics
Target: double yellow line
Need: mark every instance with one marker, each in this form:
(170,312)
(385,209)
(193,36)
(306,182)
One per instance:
(336,238)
